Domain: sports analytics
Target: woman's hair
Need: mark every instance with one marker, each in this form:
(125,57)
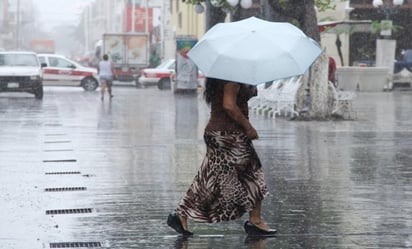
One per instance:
(212,87)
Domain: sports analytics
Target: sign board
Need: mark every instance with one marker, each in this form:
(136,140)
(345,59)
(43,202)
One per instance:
(386,27)
(139,19)
(186,70)
(127,48)
(42,46)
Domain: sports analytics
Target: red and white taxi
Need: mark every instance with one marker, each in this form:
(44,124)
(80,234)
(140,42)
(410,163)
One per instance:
(61,71)
(162,75)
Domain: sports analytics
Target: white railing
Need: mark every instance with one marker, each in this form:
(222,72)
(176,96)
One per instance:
(278,98)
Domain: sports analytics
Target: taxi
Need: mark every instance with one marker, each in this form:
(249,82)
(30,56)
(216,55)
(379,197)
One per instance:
(162,75)
(61,71)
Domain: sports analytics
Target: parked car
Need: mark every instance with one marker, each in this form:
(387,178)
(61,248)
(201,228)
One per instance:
(405,62)
(61,71)
(161,75)
(21,72)
(402,70)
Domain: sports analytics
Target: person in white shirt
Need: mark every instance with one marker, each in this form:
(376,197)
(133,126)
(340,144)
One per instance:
(106,73)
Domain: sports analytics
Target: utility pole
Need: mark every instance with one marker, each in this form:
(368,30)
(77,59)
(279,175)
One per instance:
(86,28)
(133,16)
(18,25)
(146,16)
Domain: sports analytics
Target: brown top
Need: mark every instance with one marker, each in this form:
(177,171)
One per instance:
(219,119)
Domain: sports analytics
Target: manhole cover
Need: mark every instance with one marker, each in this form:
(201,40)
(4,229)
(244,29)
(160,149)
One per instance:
(57,142)
(64,173)
(65,189)
(75,244)
(57,150)
(60,161)
(52,124)
(69,211)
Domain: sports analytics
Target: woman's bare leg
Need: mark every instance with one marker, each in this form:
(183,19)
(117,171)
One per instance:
(103,88)
(183,220)
(109,90)
(256,218)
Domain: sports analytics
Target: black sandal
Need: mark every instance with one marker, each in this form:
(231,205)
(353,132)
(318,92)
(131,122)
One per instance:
(253,230)
(174,222)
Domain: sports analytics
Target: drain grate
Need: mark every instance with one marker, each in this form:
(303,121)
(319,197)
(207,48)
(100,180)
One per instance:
(60,161)
(65,189)
(64,173)
(69,211)
(56,150)
(57,142)
(75,244)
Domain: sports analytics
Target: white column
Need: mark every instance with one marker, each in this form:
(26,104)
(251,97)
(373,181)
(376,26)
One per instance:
(385,57)
(162,30)
(146,16)
(86,29)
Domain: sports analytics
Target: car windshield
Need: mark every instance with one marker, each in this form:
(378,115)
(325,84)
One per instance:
(165,64)
(28,60)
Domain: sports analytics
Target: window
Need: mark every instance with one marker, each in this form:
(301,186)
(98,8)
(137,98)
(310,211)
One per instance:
(42,60)
(29,60)
(59,62)
(64,63)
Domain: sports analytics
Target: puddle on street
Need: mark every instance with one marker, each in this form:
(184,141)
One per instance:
(340,184)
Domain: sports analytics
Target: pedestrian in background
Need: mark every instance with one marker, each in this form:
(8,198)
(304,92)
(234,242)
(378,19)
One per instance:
(230,181)
(106,73)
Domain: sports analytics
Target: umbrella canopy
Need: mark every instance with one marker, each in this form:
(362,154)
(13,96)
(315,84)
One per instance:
(254,51)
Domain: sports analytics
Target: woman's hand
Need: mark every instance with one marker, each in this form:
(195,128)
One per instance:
(230,92)
(251,133)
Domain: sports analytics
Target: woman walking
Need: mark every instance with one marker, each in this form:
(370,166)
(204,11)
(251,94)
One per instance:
(106,73)
(230,181)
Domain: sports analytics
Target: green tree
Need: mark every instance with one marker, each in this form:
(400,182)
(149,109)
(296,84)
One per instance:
(301,13)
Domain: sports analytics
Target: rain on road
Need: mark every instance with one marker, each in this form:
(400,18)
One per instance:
(75,169)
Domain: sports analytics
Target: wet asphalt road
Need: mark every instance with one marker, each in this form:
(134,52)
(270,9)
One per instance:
(76,169)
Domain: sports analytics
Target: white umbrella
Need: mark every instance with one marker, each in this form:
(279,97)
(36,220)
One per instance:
(254,51)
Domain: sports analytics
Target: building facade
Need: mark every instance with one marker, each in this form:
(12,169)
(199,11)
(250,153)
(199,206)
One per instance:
(17,23)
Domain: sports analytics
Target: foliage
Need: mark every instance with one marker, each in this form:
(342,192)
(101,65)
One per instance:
(377,26)
(322,5)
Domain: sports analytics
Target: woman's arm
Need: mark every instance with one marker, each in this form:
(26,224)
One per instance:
(113,71)
(230,92)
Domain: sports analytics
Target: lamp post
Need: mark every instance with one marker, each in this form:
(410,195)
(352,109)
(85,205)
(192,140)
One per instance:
(244,4)
(388,7)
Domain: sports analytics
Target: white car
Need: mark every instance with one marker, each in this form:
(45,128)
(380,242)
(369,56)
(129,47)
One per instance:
(61,71)
(162,75)
(159,75)
(21,72)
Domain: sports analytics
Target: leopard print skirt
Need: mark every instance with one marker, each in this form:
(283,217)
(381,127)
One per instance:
(229,182)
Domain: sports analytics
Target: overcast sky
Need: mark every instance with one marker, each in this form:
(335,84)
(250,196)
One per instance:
(56,12)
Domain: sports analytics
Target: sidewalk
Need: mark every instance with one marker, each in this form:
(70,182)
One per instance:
(106,174)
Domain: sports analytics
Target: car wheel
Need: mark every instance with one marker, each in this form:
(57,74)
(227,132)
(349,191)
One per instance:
(89,84)
(398,67)
(38,93)
(164,84)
